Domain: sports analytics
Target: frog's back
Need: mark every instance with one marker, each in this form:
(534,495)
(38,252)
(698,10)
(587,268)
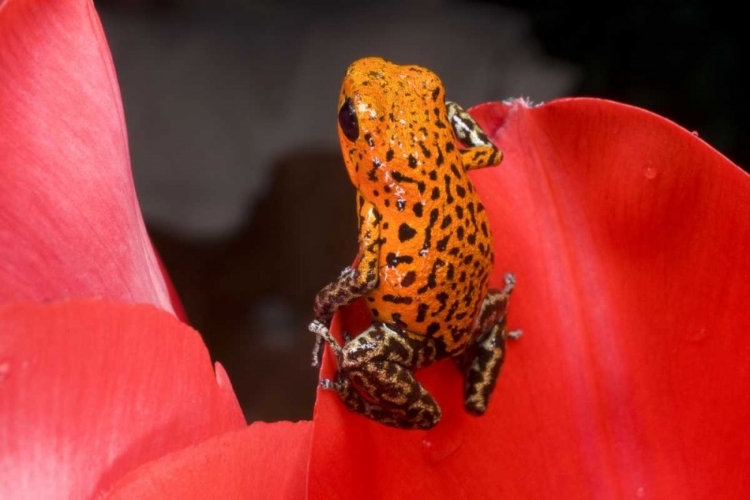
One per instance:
(436,249)
(434,265)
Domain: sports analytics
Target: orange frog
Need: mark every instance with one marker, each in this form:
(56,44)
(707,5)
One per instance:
(425,248)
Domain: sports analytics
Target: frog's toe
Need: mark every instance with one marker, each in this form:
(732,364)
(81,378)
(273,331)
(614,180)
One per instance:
(514,334)
(510,282)
(348,272)
(327,384)
(317,352)
(322,332)
(317,327)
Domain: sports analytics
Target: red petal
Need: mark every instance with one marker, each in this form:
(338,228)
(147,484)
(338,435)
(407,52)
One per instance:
(260,461)
(629,238)
(90,390)
(70,225)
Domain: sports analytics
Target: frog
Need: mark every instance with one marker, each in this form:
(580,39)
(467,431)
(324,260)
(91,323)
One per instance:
(425,251)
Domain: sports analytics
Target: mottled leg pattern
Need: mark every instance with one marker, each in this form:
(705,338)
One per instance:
(342,292)
(349,286)
(358,404)
(482,361)
(353,282)
(375,377)
(481,151)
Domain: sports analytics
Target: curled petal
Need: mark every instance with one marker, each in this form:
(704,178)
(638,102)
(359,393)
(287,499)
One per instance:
(91,390)
(260,461)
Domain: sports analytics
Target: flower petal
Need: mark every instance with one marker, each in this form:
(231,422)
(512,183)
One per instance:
(629,239)
(91,390)
(260,461)
(70,225)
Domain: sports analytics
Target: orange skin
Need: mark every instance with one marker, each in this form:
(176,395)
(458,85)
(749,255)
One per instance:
(425,248)
(435,219)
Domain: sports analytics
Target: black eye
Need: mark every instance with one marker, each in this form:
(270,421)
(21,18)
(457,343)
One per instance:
(348,120)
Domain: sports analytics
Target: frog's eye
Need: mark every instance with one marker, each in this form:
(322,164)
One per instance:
(348,120)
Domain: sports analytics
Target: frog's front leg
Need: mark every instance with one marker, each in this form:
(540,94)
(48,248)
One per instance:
(483,360)
(353,282)
(480,152)
(379,362)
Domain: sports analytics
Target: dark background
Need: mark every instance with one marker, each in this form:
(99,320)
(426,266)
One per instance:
(248,286)
(686,62)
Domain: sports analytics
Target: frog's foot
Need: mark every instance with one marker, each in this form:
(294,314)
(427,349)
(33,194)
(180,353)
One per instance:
(379,361)
(322,333)
(480,151)
(494,307)
(482,361)
(510,284)
(483,371)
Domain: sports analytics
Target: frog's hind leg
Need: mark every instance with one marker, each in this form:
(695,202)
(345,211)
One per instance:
(480,152)
(379,363)
(483,360)
(353,282)
(357,403)
(350,285)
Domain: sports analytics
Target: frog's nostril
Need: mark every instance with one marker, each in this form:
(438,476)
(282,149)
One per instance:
(348,120)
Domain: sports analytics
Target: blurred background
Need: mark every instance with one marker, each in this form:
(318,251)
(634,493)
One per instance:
(231,114)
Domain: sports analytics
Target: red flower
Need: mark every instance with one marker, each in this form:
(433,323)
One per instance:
(629,239)
(627,234)
(71,225)
(91,389)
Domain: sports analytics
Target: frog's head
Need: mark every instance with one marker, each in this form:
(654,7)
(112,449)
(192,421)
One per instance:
(389,116)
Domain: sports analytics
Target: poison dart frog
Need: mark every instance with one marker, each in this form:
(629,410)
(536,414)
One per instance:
(425,249)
